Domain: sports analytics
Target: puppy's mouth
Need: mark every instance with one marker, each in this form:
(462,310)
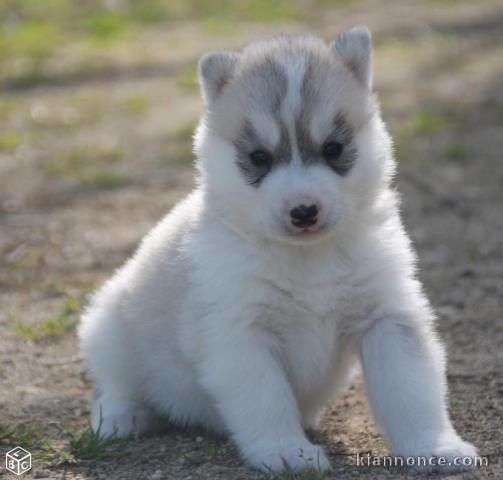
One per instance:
(313,227)
(307,233)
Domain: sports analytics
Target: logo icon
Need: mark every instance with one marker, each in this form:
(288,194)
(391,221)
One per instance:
(18,461)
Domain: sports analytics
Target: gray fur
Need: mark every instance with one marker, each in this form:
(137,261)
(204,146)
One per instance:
(355,48)
(267,87)
(249,141)
(341,132)
(259,83)
(215,70)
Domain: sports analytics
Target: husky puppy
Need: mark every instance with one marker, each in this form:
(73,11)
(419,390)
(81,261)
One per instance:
(247,308)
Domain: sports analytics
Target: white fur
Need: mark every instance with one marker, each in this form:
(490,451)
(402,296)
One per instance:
(223,318)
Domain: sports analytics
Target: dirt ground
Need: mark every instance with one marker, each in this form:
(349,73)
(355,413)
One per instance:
(90,159)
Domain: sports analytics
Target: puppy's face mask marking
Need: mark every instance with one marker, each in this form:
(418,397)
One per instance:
(290,111)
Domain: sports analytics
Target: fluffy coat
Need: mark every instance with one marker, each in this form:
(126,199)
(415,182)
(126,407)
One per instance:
(232,317)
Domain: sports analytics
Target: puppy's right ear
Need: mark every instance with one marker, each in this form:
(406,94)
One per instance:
(215,70)
(354,48)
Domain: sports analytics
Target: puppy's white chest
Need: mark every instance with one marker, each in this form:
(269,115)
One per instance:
(305,323)
(314,296)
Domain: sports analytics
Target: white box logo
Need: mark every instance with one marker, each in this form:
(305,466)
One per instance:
(18,461)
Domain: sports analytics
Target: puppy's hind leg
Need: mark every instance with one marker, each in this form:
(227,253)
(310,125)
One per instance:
(113,414)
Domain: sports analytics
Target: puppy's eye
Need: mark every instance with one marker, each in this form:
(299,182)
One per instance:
(332,151)
(261,158)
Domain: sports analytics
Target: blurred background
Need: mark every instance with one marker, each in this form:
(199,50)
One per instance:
(98,102)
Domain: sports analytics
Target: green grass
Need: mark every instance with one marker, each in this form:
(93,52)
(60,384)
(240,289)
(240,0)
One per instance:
(424,123)
(89,166)
(136,104)
(266,11)
(402,145)
(218,26)
(52,327)
(420,125)
(33,40)
(26,437)
(193,460)
(187,78)
(104,179)
(42,39)
(91,444)
(184,132)
(180,154)
(6,108)
(153,11)
(288,474)
(32,439)
(179,144)
(456,152)
(106,25)
(10,141)
(25,48)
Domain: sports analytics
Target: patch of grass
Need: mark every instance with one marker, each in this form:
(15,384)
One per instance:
(264,10)
(53,327)
(395,46)
(29,77)
(183,155)
(212,451)
(10,141)
(218,26)
(24,49)
(6,108)
(187,78)
(179,144)
(33,40)
(38,36)
(106,25)
(92,444)
(290,475)
(24,436)
(103,179)
(153,11)
(193,460)
(249,10)
(137,104)
(88,444)
(31,439)
(456,152)
(402,145)
(85,164)
(184,132)
(424,123)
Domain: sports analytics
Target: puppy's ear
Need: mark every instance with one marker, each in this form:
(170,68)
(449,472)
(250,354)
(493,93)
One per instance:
(215,70)
(354,48)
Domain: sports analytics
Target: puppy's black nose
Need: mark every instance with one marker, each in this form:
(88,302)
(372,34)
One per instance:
(304,216)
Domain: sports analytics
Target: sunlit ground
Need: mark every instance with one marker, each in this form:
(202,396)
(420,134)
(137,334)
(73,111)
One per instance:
(98,101)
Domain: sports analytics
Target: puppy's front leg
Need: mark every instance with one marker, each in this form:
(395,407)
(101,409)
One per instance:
(403,364)
(257,404)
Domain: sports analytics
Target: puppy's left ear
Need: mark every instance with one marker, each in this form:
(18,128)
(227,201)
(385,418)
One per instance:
(354,48)
(215,70)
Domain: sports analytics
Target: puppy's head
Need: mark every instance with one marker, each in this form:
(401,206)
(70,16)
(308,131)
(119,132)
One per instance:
(291,145)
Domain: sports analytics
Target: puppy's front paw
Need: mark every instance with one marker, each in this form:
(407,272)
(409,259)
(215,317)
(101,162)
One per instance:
(296,457)
(449,453)
(455,455)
